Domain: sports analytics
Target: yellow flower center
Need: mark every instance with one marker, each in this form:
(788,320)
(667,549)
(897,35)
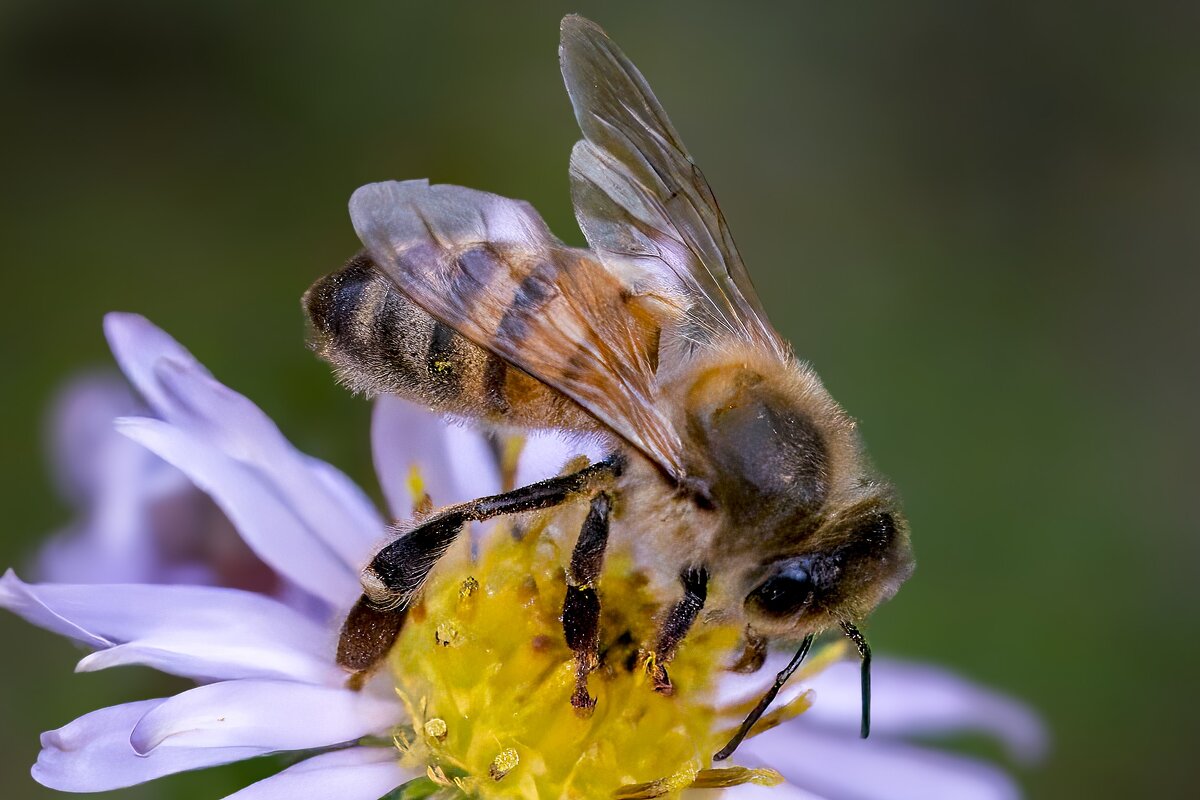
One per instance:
(487,678)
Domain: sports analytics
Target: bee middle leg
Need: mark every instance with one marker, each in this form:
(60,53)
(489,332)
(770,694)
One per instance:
(581,606)
(398,571)
(675,626)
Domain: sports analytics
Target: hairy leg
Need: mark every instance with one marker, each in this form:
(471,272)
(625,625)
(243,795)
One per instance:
(581,606)
(675,626)
(398,571)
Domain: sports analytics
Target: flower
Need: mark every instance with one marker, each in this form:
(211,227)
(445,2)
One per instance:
(472,699)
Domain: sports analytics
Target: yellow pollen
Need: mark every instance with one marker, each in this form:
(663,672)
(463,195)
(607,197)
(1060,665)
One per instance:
(436,728)
(503,764)
(422,504)
(510,455)
(447,634)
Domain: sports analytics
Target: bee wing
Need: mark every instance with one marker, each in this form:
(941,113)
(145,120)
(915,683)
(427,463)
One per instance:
(489,268)
(642,203)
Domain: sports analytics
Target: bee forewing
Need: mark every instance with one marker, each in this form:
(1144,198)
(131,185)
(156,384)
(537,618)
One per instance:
(489,268)
(642,203)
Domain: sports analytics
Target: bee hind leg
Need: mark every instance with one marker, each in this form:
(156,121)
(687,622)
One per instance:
(581,606)
(398,571)
(367,635)
(675,627)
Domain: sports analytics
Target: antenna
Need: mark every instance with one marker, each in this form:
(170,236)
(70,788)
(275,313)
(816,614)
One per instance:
(864,652)
(761,708)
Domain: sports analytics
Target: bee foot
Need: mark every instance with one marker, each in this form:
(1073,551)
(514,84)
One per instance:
(583,703)
(660,681)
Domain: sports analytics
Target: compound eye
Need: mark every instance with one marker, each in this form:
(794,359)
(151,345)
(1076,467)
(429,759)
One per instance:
(784,593)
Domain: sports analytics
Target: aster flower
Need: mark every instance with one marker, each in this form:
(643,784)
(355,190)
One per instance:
(473,700)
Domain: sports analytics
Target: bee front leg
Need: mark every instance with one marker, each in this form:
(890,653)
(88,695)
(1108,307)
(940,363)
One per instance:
(581,606)
(398,571)
(675,626)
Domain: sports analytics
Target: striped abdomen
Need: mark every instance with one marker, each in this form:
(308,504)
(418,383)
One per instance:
(379,341)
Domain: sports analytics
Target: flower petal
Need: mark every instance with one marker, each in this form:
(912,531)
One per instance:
(404,435)
(273,528)
(356,773)
(353,502)
(201,632)
(184,394)
(918,699)
(277,715)
(751,791)
(92,754)
(81,431)
(138,345)
(547,452)
(113,541)
(843,766)
(738,688)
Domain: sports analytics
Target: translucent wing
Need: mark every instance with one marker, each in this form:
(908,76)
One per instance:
(489,268)
(642,203)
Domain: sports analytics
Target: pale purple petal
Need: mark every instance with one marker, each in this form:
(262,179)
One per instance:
(839,766)
(93,754)
(454,461)
(278,715)
(200,632)
(750,791)
(81,432)
(91,551)
(911,699)
(735,689)
(356,773)
(272,527)
(22,599)
(547,452)
(472,463)
(113,540)
(138,346)
(184,394)
(354,502)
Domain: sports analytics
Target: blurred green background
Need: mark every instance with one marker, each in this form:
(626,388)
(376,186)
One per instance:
(979,221)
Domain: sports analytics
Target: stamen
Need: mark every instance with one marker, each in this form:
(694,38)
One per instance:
(422,503)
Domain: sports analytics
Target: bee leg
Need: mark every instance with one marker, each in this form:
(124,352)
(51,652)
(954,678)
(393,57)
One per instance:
(367,635)
(581,606)
(676,625)
(398,571)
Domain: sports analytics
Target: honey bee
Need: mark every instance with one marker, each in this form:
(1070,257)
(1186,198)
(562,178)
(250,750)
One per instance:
(742,486)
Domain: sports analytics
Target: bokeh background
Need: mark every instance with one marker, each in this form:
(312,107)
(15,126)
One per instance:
(979,221)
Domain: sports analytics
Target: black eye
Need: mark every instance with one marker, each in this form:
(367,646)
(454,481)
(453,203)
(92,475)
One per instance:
(784,592)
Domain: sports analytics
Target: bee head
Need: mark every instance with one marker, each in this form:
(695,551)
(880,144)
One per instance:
(852,566)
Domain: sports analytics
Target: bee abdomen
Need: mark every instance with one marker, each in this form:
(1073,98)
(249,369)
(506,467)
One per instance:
(379,341)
